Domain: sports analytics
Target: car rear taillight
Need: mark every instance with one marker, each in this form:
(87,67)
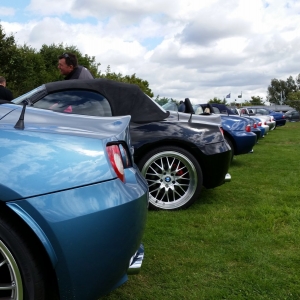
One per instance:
(119,159)
(248,128)
(259,124)
(222,131)
(254,125)
(265,123)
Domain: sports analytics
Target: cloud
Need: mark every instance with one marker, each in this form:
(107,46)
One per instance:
(6,11)
(196,49)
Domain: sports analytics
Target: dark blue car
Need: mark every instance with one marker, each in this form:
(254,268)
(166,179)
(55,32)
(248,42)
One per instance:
(238,131)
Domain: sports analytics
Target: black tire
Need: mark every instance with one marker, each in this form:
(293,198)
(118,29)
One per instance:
(174,178)
(231,146)
(23,268)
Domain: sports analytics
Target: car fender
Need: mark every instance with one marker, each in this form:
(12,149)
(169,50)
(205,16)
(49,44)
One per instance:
(36,229)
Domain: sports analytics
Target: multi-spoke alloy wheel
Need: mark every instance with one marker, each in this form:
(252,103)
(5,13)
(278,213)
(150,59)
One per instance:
(10,278)
(174,178)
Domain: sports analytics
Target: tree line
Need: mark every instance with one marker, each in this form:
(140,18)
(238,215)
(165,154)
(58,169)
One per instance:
(26,68)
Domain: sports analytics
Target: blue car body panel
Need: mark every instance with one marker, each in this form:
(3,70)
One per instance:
(235,126)
(87,232)
(55,176)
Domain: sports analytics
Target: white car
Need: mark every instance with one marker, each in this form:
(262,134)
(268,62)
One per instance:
(266,119)
(261,122)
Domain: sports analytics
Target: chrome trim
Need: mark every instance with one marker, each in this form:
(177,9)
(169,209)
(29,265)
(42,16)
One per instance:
(227,177)
(136,261)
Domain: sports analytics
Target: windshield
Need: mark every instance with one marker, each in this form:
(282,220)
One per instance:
(198,109)
(30,95)
(171,105)
(156,103)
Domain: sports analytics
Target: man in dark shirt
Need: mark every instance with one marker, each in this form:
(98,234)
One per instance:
(181,107)
(68,66)
(5,93)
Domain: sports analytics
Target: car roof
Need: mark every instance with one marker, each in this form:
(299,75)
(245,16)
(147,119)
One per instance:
(124,98)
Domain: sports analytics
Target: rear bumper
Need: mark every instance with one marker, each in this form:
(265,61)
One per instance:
(215,166)
(271,125)
(243,141)
(280,122)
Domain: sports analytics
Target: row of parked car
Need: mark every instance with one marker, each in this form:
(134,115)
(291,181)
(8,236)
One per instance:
(292,115)
(81,163)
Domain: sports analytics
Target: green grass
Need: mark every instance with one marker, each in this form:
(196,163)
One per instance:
(239,241)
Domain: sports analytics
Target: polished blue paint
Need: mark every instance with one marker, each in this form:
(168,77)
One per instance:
(56,177)
(234,128)
(87,227)
(36,229)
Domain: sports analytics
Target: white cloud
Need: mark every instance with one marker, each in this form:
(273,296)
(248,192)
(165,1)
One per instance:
(6,11)
(195,49)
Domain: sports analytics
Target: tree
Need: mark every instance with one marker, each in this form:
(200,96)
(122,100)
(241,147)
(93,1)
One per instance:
(50,55)
(256,100)
(217,100)
(8,53)
(279,90)
(161,101)
(132,79)
(294,100)
(26,68)
(22,67)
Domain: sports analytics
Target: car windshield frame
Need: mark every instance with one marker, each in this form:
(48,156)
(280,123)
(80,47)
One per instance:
(32,95)
(160,107)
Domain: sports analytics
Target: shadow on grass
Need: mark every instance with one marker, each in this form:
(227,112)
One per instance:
(238,162)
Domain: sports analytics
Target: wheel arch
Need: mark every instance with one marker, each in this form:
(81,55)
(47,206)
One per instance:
(227,135)
(34,234)
(36,231)
(194,150)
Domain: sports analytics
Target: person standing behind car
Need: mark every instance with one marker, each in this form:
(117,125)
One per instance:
(181,107)
(5,93)
(68,66)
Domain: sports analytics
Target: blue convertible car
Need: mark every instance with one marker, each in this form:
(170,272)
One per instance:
(237,130)
(73,206)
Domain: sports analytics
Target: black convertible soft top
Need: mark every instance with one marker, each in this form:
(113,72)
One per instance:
(124,98)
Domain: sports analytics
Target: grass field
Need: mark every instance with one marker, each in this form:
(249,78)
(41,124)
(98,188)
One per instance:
(239,241)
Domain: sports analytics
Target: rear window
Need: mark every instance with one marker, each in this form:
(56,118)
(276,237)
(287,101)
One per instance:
(79,102)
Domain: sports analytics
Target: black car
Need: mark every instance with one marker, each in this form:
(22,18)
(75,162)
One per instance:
(177,153)
(292,115)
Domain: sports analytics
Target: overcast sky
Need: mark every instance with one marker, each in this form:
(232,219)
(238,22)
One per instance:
(198,49)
